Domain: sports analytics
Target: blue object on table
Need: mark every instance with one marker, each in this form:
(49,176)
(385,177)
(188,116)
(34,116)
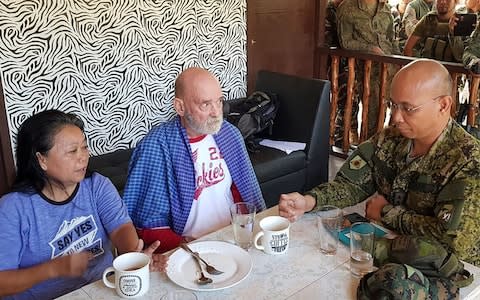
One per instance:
(344,234)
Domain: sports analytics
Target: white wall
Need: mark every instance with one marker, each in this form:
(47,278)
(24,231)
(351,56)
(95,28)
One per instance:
(114,62)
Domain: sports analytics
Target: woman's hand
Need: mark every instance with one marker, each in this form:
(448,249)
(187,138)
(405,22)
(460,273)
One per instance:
(72,265)
(158,262)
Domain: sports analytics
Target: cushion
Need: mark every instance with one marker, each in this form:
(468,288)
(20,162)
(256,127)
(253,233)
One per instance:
(112,165)
(270,163)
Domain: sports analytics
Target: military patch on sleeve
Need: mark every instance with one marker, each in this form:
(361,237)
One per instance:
(446,212)
(357,163)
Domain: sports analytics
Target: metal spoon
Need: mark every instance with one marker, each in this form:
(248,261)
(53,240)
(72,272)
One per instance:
(202,280)
(209,268)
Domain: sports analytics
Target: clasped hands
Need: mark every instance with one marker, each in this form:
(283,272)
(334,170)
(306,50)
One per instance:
(293,205)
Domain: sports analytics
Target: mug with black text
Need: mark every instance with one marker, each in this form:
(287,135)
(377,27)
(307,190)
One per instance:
(132,275)
(274,235)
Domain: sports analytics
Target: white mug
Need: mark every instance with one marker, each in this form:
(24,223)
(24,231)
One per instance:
(274,234)
(132,275)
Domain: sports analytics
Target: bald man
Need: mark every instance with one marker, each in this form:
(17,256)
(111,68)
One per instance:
(421,176)
(184,174)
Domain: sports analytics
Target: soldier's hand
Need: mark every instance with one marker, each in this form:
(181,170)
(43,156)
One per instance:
(378,50)
(374,206)
(452,23)
(294,205)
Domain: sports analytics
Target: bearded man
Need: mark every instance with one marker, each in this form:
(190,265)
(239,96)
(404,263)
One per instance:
(185,173)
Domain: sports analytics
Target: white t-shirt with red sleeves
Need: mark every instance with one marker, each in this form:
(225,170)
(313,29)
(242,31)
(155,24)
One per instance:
(212,198)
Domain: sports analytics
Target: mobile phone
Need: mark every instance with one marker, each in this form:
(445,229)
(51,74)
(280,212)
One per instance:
(465,25)
(355,218)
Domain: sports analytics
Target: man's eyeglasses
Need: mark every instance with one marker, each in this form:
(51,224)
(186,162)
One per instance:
(408,110)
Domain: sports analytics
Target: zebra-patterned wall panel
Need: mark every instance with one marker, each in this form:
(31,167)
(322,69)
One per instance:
(113,62)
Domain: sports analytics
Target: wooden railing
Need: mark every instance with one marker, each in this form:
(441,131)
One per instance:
(455,69)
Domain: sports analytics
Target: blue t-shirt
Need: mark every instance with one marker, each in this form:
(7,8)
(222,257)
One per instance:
(35,229)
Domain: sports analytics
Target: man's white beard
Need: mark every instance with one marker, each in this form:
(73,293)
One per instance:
(211,126)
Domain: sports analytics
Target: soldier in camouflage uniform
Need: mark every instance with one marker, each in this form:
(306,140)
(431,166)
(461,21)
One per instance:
(367,25)
(331,36)
(471,55)
(421,175)
(401,281)
(414,11)
(331,39)
(435,34)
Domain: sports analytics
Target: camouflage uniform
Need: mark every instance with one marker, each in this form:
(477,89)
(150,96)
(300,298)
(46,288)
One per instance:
(400,35)
(414,11)
(471,60)
(401,281)
(359,28)
(435,196)
(471,55)
(437,42)
(331,38)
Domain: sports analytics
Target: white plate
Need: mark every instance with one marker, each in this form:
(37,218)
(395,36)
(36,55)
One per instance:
(235,262)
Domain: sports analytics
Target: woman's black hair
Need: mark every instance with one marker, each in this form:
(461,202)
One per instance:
(36,135)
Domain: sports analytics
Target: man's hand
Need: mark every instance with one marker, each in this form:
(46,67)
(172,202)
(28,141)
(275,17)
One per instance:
(452,23)
(377,50)
(158,262)
(374,206)
(294,205)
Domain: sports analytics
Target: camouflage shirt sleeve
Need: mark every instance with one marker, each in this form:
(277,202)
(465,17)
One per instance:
(472,51)
(353,183)
(345,31)
(457,44)
(420,28)
(409,20)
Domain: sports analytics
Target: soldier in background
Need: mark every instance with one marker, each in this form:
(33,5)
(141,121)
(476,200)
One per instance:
(331,38)
(471,55)
(421,176)
(398,11)
(435,32)
(367,25)
(414,11)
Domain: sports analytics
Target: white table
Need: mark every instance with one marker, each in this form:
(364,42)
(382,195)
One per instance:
(302,273)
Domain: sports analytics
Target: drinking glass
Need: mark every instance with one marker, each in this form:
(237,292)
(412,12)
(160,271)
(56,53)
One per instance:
(329,221)
(362,240)
(243,219)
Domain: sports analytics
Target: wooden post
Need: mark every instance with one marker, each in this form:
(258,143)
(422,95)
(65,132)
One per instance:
(453,109)
(381,99)
(365,100)
(347,115)
(472,107)
(334,103)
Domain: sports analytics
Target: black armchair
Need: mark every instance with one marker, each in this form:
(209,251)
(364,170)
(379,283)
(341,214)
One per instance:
(303,116)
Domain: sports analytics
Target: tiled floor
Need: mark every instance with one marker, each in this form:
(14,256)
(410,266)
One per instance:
(334,165)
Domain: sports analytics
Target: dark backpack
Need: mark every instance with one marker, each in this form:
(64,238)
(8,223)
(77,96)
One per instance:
(252,115)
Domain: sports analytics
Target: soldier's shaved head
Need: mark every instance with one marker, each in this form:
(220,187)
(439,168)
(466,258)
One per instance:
(421,101)
(426,74)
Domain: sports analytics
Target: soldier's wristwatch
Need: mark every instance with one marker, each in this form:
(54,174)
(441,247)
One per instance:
(386,209)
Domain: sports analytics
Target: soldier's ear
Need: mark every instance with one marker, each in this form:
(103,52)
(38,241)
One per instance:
(445,103)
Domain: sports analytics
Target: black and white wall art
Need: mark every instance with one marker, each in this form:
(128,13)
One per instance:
(114,62)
